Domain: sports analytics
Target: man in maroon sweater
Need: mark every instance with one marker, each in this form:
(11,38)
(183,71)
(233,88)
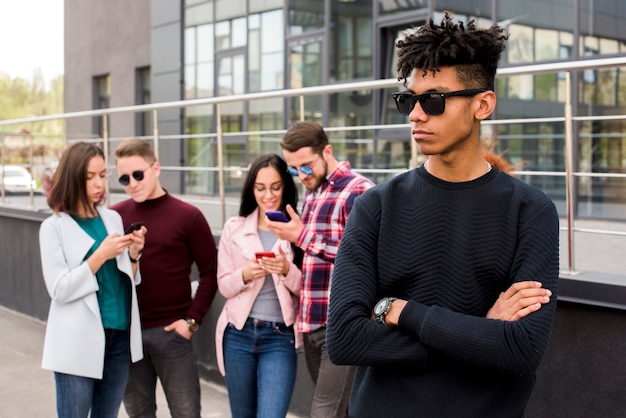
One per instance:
(178,235)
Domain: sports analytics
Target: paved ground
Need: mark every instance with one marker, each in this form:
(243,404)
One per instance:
(27,391)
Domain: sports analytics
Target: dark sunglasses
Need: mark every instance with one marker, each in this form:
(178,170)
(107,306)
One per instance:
(433,104)
(137,175)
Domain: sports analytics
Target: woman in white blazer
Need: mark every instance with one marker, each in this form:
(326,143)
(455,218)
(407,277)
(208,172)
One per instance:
(255,336)
(90,270)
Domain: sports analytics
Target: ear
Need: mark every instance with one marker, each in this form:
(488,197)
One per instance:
(327,152)
(156,167)
(485,104)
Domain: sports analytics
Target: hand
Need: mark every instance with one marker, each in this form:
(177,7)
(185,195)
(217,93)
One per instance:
(252,271)
(113,245)
(137,242)
(181,327)
(519,301)
(278,265)
(289,231)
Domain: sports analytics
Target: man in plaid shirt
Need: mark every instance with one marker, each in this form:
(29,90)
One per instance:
(332,188)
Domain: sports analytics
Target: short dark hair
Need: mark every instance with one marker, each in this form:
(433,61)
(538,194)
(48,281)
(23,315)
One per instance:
(305,134)
(473,52)
(290,191)
(68,186)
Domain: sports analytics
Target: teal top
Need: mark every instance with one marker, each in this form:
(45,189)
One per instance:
(114,295)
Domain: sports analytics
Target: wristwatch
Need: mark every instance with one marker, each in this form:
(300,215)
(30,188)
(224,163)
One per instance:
(381,309)
(192,324)
(134,260)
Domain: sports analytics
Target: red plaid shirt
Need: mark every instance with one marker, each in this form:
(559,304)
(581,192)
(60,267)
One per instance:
(324,216)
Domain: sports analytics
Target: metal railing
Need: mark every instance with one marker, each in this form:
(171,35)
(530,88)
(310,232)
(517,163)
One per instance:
(567,120)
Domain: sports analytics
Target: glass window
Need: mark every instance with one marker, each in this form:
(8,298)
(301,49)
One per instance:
(387,7)
(190,45)
(266,52)
(205,80)
(305,16)
(198,15)
(239,32)
(205,43)
(603,21)
(546,44)
(143,120)
(255,6)
(101,100)
(222,35)
(272,39)
(190,81)
(351,42)
(305,63)
(227,9)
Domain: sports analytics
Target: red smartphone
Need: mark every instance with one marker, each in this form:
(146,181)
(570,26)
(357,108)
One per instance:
(133,227)
(264,254)
(276,215)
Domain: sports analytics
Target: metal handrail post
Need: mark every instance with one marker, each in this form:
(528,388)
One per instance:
(105,149)
(155,132)
(569,173)
(220,161)
(302,107)
(2,191)
(31,153)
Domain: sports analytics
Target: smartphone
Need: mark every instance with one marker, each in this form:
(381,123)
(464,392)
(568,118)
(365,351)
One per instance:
(264,254)
(133,227)
(276,215)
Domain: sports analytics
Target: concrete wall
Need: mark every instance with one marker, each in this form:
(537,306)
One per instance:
(583,373)
(104,37)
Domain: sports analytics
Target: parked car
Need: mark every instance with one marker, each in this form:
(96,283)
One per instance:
(16,179)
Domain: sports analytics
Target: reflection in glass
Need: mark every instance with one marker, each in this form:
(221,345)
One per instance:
(305,16)
(351,42)
(387,7)
(305,64)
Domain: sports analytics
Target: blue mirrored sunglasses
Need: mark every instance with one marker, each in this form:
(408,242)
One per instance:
(304,169)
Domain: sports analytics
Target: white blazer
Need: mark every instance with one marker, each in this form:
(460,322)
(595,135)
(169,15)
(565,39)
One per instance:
(74,342)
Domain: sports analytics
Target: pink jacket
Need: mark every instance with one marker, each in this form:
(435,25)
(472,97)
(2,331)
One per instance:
(238,243)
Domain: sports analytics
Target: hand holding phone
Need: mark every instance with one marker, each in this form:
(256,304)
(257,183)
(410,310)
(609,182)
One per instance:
(136,226)
(276,215)
(262,254)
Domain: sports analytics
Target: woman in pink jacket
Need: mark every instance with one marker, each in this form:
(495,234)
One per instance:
(255,334)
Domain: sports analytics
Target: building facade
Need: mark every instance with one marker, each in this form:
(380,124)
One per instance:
(121,53)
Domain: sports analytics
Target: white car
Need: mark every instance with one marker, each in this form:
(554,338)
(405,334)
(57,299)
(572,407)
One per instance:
(16,179)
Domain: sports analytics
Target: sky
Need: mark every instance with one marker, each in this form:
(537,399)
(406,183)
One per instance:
(31,37)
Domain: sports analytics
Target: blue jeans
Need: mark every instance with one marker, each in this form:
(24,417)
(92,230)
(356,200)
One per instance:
(261,363)
(170,357)
(76,395)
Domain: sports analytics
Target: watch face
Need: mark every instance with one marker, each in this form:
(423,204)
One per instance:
(380,307)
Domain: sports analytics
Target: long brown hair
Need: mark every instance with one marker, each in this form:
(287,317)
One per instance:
(68,186)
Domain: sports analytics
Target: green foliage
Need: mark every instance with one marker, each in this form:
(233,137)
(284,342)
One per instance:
(20,98)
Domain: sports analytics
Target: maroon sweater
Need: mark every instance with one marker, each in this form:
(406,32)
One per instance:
(178,235)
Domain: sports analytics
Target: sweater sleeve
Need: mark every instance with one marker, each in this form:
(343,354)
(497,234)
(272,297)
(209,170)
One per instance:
(204,250)
(352,336)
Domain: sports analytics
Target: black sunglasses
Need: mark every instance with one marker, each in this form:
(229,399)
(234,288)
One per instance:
(137,175)
(433,104)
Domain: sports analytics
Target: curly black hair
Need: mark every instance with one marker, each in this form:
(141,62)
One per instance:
(474,52)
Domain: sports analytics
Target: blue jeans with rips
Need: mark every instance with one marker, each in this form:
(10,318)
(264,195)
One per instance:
(169,357)
(77,395)
(261,364)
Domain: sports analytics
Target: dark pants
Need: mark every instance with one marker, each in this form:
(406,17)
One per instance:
(332,383)
(170,357)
